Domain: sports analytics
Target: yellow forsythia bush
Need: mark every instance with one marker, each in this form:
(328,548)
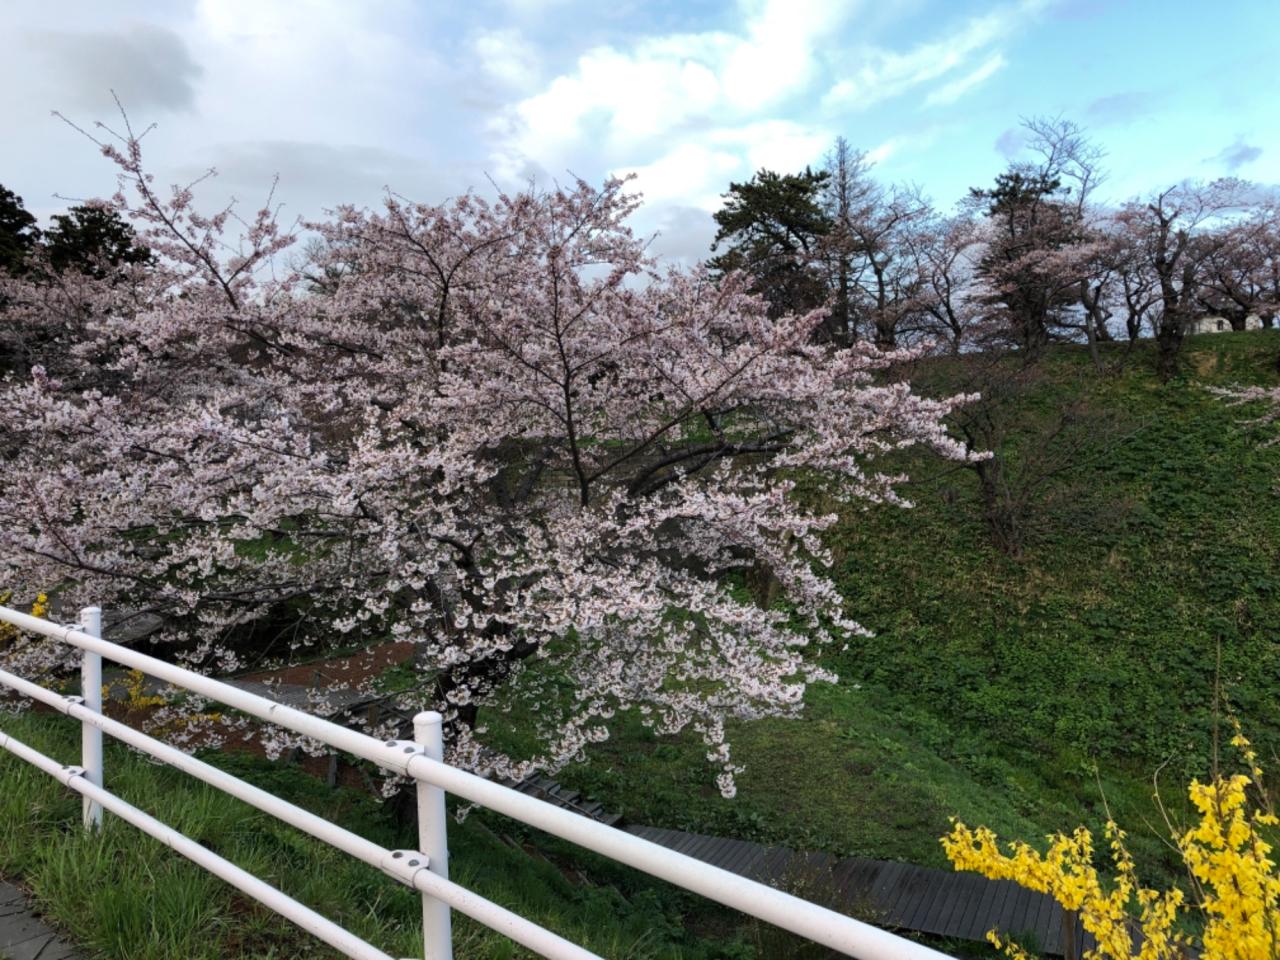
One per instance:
(8,632)
(1236,886)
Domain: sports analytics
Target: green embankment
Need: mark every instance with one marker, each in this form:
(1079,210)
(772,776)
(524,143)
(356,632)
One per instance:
(1018,693)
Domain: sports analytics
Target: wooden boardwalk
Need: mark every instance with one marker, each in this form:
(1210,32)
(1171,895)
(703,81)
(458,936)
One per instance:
(899,896)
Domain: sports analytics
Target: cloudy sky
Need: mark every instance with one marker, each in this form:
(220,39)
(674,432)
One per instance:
(343,98)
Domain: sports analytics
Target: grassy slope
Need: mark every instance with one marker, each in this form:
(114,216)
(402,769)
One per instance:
(1004,692)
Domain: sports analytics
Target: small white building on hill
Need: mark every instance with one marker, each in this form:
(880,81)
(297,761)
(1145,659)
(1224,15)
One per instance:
(1211,324)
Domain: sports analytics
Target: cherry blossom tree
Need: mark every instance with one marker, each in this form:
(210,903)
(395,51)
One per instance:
(1040,246)
(1242,269)
(872,275)
(1178,231)
(950,304)
(496,429)
(1134,288)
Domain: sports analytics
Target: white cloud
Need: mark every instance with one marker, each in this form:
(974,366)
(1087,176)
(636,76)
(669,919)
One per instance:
(287,71)
(953,91)
(882,74)
(341,97)
(883,151)
(533,8)
(506,57)
(692,174)
(619,101)
(697,171)
(776,58)
(900,143)
(781,145)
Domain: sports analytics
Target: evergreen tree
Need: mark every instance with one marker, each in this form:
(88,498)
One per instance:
(18,232)
(771,227)
(92,239)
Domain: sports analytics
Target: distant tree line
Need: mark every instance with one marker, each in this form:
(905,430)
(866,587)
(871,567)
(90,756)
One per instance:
(89,237)
(1032,259)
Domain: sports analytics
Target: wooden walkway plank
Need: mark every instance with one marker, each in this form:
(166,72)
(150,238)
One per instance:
(901,894)
(971,924)
(881,893)
(685,842)
(737,858)
(945,892)
(976,920)
(774,863)
(1044,919)
(1026,906)
(746,861)
(1013,910)
(712,850)
(919,891)
(968,889)
(999,917)
(1052,942)
(888,893)
(853,877)
(868,877)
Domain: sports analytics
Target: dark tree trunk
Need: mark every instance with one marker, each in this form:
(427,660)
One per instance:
(886,335)
(1091,337)
(1000,515)
(1169,337)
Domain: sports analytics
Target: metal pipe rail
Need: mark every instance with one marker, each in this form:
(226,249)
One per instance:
(435,778)
(264,893)
(403,865)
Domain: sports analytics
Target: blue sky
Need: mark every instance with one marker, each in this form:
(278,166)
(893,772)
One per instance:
(343,98)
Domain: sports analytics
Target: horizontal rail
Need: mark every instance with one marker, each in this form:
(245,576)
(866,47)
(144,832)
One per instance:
(523,931)
(283,904)
(834,930)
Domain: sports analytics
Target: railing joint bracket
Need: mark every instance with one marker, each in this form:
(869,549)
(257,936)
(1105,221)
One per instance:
(399,753)
(403,865)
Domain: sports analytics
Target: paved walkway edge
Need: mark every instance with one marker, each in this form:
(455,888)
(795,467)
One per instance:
(23,935)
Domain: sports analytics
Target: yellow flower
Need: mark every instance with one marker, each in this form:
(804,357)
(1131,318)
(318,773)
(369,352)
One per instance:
(10,633)
(1225,852)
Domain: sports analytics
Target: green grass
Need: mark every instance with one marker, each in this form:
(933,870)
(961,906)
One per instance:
(1019,693)
(123,895)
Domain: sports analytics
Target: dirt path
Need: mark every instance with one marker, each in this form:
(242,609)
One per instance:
(350,669)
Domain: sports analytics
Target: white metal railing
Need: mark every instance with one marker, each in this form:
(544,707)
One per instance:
(424,869)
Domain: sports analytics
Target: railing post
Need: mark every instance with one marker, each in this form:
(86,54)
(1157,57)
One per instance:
(433,839)
(90,736)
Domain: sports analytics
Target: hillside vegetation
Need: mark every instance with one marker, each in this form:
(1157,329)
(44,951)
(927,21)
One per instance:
(1018,692)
